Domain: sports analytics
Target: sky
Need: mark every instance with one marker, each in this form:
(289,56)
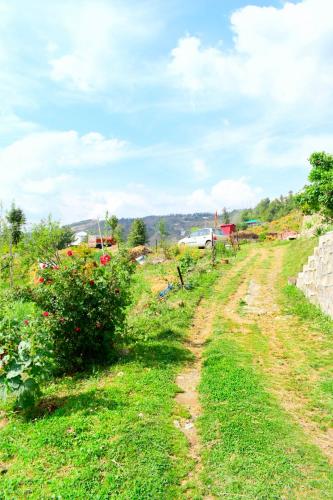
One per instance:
(153,107)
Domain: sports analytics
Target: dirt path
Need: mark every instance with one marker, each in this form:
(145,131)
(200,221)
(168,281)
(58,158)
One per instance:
(188,380)
(260,309)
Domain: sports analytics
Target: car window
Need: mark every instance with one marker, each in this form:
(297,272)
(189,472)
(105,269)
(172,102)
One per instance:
(196,233)
(205,231)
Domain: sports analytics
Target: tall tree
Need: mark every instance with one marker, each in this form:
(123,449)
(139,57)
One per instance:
(16,220)
(138,233)
(318,195)
(162,230)
(111,222)
(225,216)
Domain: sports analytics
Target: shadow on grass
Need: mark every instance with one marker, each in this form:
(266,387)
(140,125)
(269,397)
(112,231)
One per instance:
(169,334)
(158,354)
(86,403)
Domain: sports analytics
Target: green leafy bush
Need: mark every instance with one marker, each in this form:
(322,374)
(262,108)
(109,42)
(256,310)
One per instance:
(84,305)
(25,358)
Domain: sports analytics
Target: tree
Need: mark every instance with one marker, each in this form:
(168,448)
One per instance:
(318,195)
(111,222)
(162,230)
(16,220)
(138,233)
(46,238)
(225,216)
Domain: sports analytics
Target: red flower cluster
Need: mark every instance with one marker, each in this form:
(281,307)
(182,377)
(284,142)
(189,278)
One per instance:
(41,280)
(70,253)
(104,259)
(45,313)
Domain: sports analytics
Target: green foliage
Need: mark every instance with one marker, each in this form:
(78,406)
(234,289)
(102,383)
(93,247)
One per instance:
(269,210)
(45,240)
(138,233)
(84,306)
(318,195)
(225,216)
(162,230)
(111,223)
(16,220)
(25,356)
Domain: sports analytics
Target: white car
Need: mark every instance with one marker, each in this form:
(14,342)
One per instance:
(202,238)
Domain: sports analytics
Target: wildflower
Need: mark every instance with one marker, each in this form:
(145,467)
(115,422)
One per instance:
(55,268)
(69,253)
(26,322)
(91,282)
(45,313)
(104,259)
(41,280)
(77,329)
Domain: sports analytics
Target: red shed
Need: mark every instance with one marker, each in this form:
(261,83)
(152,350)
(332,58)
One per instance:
(228,229)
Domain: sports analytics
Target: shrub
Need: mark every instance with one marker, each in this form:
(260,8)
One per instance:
(25,358)
(83,304)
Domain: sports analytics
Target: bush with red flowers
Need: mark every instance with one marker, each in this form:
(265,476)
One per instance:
(84,302)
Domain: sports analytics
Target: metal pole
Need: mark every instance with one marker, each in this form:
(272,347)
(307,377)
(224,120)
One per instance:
(180,276)
(100,235)
(11,278)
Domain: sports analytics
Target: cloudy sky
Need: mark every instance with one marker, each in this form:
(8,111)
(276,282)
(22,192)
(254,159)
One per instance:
(151,107)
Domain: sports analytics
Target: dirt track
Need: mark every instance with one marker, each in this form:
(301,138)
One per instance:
(254,306)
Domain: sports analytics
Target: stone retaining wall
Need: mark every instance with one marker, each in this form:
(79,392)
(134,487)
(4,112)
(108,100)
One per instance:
(316,279)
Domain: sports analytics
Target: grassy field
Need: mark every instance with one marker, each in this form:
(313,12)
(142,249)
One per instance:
(110,433)
(266,395)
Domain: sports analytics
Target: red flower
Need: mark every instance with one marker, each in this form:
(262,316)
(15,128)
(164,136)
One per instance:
(26,322)
(91,282)
(55,267)
(44,266)
(69,253)
(104,259)
(41,280)
(45,313)
(77,329)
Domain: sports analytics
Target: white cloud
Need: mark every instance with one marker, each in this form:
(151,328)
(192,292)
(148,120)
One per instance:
(46,185)
(200,169)
(280,53)
(232,193)
(42,152)
(99,36)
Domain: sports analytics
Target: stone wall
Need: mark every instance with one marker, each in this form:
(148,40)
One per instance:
(316,279)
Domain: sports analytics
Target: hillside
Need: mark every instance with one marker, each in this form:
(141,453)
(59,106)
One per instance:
(177,224)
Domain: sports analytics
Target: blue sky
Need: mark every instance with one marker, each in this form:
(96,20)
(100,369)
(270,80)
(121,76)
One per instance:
(152,107)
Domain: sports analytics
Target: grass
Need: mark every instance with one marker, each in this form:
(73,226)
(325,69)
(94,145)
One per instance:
(110,433)
(314,335)
(251,447)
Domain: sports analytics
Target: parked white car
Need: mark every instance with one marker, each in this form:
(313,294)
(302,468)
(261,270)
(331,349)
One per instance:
(202,238)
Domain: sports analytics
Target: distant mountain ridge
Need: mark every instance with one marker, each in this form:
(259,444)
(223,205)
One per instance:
(177,224)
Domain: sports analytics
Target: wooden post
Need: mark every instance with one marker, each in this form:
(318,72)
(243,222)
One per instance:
(180,276)
(155,245)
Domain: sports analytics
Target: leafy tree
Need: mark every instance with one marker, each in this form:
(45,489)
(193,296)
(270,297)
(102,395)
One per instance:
(138,233)
(318,195)
(225,216)
(45,239)
(162,230)
(16,220)
(111,222)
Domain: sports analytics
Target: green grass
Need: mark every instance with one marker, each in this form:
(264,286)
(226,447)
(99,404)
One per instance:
(251,447)
(110,433)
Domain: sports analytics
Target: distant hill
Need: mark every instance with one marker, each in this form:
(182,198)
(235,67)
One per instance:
(177,224)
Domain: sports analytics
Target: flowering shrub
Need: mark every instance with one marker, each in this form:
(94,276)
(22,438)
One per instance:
(25,358)
(83,304)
